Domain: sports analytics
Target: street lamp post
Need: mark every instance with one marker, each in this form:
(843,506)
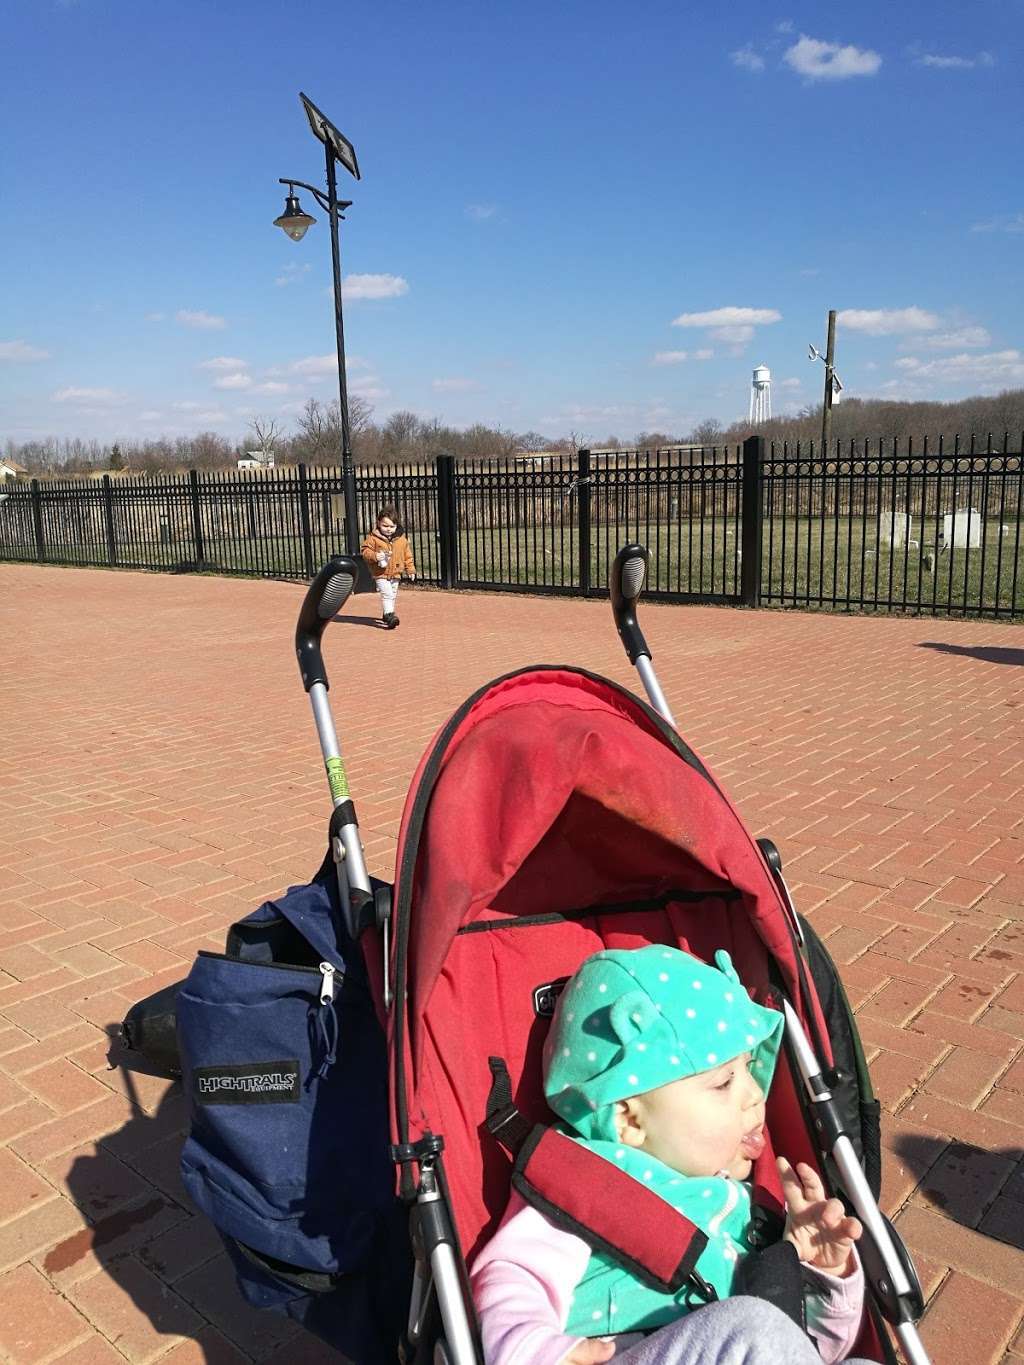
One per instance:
(294,223)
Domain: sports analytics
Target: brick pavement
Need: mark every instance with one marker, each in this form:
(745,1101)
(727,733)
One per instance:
(159,776)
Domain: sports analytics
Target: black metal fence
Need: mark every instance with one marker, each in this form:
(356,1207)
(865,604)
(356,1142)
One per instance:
(869,527)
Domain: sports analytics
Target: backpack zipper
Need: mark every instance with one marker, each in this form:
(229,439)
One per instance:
(327,985)
(247,962)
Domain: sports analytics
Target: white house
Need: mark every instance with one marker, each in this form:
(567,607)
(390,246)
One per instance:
(257,459)
(11,469)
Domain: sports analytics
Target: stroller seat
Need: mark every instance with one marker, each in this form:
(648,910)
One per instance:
(562,820)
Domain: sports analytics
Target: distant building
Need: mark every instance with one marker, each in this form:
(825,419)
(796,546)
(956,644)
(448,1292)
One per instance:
(257,459)
(11,469)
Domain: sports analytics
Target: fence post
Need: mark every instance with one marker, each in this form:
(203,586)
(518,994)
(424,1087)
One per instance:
(583,519)
(197,518)
(753,520)
(447,521)
(108,517)
(37,519)
(307,533)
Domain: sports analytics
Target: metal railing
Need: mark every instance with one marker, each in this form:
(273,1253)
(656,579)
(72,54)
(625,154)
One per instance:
(873,526)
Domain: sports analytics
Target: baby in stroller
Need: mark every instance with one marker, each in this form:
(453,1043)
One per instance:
(660,1064)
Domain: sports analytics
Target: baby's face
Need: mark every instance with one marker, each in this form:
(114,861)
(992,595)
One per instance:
(387,526)
(700,1125)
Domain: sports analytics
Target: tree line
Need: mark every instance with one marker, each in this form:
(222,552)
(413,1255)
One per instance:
(406,437)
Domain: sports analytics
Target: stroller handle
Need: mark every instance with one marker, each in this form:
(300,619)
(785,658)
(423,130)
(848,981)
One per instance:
(325,597)
(625,583)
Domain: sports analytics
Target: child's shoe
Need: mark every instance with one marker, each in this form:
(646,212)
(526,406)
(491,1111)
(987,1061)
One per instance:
(392,621)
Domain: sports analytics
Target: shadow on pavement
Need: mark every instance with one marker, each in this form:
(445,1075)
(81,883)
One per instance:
(990,654)
(150,1242)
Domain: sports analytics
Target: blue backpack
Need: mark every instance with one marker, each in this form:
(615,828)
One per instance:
(284,1066)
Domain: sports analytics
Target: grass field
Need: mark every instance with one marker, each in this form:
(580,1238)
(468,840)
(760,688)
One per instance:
(842,562)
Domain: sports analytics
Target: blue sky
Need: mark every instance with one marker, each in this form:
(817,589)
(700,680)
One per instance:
(577,216)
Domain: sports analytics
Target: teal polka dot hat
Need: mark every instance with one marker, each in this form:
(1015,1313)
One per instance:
(631,1020)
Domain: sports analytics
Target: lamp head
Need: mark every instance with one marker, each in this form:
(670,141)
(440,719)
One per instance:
(294,222)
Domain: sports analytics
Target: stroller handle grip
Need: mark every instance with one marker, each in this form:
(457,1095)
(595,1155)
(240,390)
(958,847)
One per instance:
(625,584)
(325,597)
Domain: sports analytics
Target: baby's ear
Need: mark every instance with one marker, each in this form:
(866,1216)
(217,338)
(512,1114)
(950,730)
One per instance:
(724,964)
(631,1016)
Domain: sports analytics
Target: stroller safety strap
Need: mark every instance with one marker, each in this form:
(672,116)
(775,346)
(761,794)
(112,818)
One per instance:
(584,1194)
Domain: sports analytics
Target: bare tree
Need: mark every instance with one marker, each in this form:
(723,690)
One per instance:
(267,434)
(708,433)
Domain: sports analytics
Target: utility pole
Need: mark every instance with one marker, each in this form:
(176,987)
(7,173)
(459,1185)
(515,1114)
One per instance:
(826,411)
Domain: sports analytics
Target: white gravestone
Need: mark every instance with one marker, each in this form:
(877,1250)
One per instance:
(962,530)
(894,530)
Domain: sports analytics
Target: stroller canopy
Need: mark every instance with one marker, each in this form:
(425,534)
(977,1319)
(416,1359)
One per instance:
(554,815)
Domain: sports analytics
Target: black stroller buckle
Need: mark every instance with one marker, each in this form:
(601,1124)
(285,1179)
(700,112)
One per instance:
(404,1153)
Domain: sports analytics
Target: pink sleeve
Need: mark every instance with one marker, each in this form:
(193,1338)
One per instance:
(523,1282)
(834,1310)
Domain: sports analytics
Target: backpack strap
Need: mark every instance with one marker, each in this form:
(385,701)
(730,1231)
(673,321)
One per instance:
(589,1197)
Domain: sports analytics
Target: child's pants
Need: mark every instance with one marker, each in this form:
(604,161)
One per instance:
(738,1331)
(388,590)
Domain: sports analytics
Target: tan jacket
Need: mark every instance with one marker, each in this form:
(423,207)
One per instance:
(398,551)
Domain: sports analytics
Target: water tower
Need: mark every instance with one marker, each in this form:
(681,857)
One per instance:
(761,395)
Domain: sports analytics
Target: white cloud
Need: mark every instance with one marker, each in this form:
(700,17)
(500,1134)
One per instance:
(155,317)
(456,384)
(374,286)
(481,212)
(670,357)
(20,352)
(784,26)
(991,369)
(206,322)
(1003,222)
(270,386)
(728,317)
(818,61)
(94,397)
(737,335)
(790,384)
(316,365)
(955,63)
(369,386)
(224,362)
(186,405)
(959,336)
(292,273)
(747,58)
(705,353)
(150,416)
(879,322)
(233,381)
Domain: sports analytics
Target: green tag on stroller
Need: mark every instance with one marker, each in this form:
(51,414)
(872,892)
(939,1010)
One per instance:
(337,779)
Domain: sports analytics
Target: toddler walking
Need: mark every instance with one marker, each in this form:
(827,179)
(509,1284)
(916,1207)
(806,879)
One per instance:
(660,1064)
(388,553)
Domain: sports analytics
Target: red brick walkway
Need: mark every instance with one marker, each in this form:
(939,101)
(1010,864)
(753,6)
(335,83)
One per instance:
(159,776)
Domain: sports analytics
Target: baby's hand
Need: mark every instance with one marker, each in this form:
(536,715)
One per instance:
(819,1228)
(591,1352)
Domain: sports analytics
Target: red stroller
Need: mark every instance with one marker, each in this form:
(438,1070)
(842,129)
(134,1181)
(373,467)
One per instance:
(556,815)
